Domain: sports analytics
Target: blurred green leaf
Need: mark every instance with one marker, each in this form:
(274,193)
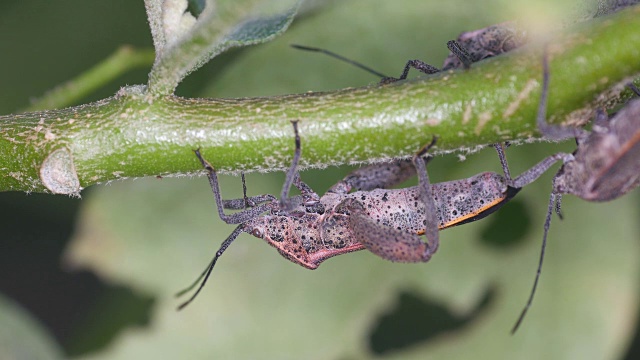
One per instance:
(22,337)
(184,43)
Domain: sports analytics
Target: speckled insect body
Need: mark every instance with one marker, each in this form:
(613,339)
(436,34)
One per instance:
(310,237)
(487,42)
(308,229)
(605,165)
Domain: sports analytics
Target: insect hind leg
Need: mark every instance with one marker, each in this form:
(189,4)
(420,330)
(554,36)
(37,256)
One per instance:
(430,209)
(391,243)
(387,242)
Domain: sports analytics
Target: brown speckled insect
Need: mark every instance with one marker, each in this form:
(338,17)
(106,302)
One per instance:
(605,166)
(308,229)
(464,60)
(486,42)
(470,47)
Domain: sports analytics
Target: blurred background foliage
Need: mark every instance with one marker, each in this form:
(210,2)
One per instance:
(94,278)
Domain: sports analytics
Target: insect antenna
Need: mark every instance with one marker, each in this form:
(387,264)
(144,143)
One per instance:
(340,57)
(207,272)
(547,223)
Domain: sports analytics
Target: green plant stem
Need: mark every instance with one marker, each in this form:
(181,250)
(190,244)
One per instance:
(122,60)
(133,134)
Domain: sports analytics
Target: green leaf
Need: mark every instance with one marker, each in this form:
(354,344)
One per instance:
(184,43)
(22,336)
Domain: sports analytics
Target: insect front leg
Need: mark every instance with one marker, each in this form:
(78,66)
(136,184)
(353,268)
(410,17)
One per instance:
(537,170)
(293,170)
(293,178)
(248,202)
(238,217)
(552,132)
(309,196)
(456,48)
(419,65)
(503,160)
(461,53)
(394,244)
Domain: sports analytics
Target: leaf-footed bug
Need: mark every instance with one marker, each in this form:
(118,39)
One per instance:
(486,42)
(464,58)
(308,229)
(470,47)
(605,165)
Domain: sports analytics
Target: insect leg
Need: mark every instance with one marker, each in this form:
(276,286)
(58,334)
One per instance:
(378,176)
(430,211)
(238,217)
(309,196)
(391,243)
(293,178)
(246,202)
(503,160)
(293,170)
(387,242)
(601,119)
(537,170)
(461,53)
(559,206)
(552,132)
(249,202)
(458,50)
(419,65)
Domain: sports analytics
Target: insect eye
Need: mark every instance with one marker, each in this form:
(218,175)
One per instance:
(256,233)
